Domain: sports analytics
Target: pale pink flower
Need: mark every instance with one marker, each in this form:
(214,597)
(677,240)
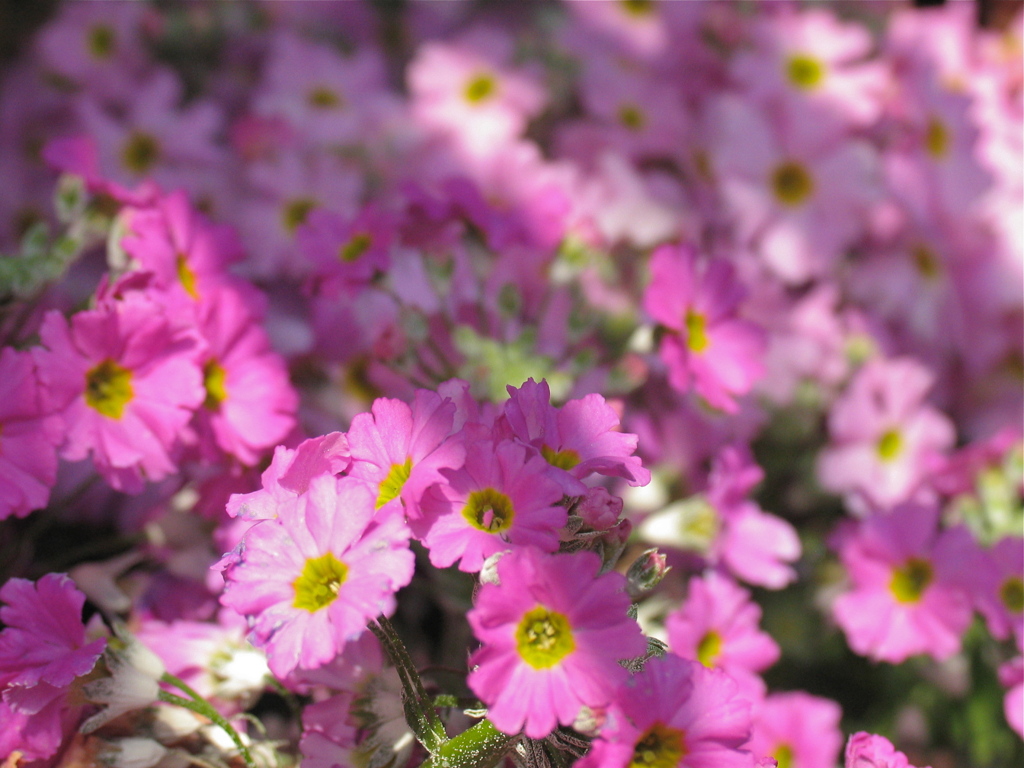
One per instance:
(884,437)
(310,579)
(799,203)
(906,594)
(814,66)
(468,90)
(289,475)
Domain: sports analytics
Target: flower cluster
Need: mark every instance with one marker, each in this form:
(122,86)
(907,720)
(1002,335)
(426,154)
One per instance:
(626,384)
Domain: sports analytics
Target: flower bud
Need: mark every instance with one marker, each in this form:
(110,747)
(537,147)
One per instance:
(646,573)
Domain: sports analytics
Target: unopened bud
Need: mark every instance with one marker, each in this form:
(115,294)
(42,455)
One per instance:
(646,573)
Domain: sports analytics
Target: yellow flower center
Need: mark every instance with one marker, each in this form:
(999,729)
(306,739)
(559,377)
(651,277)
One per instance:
(911,580)
(215,381)
(355,248)
(925,260)
(659,747)
(637,7)
(936,138)
(324,98)
(108,388)
(631,116)
(1012,594)
(890,445)
(544,638)
(101,41)
(805,72)
(791,183)
(565,459)
(481,87)
(696,331)
(187,277)
(141,152)
(784,756)
(295,212)
(709,648)
(319,583)
(489,510)
(391,486)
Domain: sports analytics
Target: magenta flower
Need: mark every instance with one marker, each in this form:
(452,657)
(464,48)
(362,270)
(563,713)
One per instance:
(717,625)
(44,648)
(125,381)
(312,578)
(798,729)
(553,633)
(866,750)
(708,348)
(997,584)
(28,437)
(884,437)
(675,713)
(501,497)
(579,439)
(400,450)
(907,594)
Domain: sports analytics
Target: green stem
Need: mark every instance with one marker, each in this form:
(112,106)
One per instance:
(482,746)
(419,707)
(202,707)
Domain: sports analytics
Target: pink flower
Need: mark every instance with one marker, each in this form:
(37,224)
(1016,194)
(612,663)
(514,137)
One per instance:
(289,475)
(717,625)
(125,382)
(327,98)
(996,580)
(798,730)
(400,450)
(250,403)
(1011,675)
(907,593)
(553,633)
(813,66)
(28,437)
(727,528)
(708,348)
(154,137)
(44,648)
(674,713)
(466,89)
(884,437)
(579,439)
(866,750)
(180,246)
(312,578)
(501,497)
(801,203)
